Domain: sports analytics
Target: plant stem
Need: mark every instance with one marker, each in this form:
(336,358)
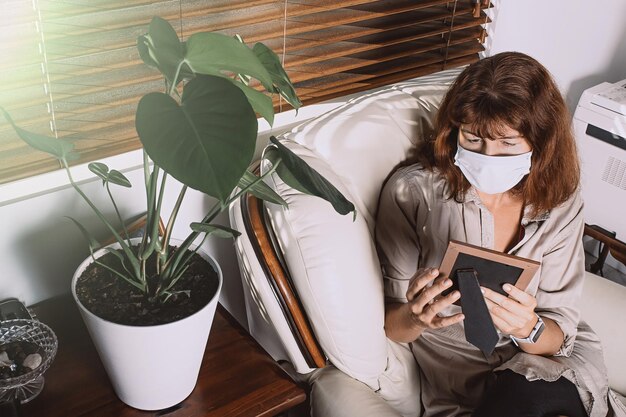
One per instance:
(156,218)
(119,216)
(173,262)
(170,223)
(113,271)
(145,252)
(173,84)
(146,180)
(129,254)
(180,257)
(147,247)
(146,170)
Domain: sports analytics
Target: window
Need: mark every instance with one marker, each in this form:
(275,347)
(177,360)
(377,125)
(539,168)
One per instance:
(70,68)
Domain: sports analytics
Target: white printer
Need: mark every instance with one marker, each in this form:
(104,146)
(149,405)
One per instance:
(600,129)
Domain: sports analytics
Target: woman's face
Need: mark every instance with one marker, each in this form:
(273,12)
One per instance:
(510,143)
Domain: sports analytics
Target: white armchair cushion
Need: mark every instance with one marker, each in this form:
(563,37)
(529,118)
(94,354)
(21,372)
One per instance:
(365,139)
(603,307)
(333,393)
(333,264)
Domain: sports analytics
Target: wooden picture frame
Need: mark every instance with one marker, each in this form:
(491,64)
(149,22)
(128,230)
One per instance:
(494,269)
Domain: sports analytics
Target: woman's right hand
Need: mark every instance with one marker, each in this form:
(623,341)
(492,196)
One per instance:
(425,301)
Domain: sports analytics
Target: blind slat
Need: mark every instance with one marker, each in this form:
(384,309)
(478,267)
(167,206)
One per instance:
(397,77)
(378,57)
(365,82)
(400,40)
(273,25)
(405,63)
(413,28)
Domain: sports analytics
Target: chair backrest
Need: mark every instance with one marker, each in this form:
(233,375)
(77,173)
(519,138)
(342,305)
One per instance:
(320,287)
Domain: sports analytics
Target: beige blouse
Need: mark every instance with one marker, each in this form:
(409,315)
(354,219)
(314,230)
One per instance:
(416,221)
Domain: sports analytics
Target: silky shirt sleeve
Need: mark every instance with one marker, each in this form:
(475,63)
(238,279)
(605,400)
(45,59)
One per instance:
(562,274)
(397,242)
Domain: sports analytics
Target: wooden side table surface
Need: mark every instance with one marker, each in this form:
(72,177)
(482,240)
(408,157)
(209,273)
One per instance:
(237,377)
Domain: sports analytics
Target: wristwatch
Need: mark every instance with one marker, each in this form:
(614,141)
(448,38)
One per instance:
(534,333)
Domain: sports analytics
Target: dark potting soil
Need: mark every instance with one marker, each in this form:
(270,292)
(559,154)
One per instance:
(112,298)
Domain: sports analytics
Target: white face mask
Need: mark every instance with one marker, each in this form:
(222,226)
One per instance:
(492,174)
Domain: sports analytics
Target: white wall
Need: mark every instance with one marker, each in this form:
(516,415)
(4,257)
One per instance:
(582,43)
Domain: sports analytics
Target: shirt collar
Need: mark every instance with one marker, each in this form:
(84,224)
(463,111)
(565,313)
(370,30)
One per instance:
(472,196)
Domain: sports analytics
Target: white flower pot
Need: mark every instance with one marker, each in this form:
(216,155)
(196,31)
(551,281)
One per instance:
(151,367)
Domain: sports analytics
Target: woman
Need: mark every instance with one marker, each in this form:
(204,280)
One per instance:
(501,172)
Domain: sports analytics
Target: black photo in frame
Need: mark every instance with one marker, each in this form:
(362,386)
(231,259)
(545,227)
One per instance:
(493,268)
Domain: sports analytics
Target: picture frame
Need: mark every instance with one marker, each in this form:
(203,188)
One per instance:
(493,268)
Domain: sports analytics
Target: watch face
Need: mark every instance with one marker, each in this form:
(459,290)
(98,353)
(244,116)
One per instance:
(534,334)
(539,327)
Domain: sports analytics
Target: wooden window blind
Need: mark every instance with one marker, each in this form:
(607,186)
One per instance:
(70,68)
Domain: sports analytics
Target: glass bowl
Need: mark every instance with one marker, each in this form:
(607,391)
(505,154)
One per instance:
(28,385)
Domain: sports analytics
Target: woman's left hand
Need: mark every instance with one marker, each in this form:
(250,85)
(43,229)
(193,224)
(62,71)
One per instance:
(513,315)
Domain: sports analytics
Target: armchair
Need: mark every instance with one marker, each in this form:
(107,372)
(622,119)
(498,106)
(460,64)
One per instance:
(312,282)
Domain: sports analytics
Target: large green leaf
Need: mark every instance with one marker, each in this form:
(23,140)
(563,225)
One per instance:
(207,142)
(273,155)
(161,47)
(147,54)
(280,79)
(214,229)
(260,189)
(260,102)
(146,51)
(214,53)
(299,175)
(58,148)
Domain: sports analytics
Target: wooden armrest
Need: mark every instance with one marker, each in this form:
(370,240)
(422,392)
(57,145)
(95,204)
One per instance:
(618,250)
(267,252)
(615,247)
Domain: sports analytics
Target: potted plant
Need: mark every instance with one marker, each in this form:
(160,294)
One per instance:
(148,302)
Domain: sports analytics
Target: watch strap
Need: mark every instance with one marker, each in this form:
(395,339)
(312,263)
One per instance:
(534,333)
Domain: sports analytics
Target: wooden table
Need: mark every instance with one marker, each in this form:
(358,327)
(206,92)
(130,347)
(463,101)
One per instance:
(237,378)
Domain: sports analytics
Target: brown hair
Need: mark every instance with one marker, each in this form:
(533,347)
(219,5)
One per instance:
(515,90)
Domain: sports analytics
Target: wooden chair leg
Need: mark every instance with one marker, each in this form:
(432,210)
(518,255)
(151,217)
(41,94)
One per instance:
(599,263)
